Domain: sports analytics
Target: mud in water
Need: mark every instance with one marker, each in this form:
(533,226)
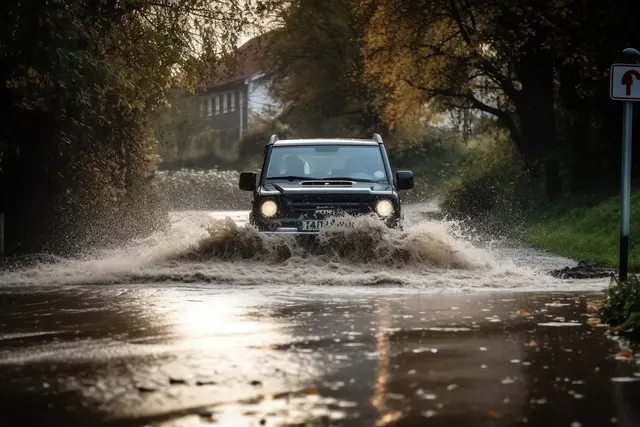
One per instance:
(361,240)
(219,249)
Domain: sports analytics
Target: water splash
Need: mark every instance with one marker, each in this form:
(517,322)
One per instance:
(362,240)
(219,248)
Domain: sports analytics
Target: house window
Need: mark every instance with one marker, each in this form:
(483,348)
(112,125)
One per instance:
(232,101)
(210,106)
(225,103)
(203,106)
(217,104)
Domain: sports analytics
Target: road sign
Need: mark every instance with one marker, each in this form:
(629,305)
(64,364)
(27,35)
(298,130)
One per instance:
(625,86)
(625,82)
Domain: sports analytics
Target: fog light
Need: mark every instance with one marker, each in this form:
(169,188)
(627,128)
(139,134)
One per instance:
(269,208)
(384,208)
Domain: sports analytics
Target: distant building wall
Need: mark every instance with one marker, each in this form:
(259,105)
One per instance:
(223,109)
(259,96)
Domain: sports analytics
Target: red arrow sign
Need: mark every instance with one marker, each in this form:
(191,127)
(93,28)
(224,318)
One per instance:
(627,79)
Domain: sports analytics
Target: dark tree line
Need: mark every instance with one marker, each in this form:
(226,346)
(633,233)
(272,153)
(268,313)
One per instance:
(80,79)
(539,67)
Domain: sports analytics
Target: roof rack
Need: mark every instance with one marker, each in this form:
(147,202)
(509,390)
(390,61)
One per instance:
(273,139)
(377,138)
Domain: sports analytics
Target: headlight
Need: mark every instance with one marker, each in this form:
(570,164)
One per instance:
(269,208)
(384,208)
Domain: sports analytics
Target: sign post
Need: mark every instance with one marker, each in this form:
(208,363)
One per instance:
(625,86)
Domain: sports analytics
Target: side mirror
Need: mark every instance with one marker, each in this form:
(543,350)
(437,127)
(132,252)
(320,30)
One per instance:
(248,181)
(404,180)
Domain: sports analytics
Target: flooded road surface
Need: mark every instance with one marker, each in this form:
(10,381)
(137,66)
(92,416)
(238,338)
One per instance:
(210,323)
(188,355)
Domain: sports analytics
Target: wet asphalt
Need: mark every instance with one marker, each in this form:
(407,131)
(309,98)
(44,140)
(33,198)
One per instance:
(190,355)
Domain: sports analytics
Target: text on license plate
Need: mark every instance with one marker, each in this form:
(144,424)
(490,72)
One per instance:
(314,225)
(319,224)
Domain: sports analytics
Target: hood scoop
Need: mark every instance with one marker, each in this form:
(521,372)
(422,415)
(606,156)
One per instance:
(326,183)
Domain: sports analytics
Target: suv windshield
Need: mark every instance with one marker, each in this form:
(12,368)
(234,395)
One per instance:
(359,163)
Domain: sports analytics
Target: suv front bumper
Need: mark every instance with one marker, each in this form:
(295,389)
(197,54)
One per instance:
(289,231)
(294,227)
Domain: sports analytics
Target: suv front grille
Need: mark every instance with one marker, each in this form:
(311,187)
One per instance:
(312,205)
(348,208)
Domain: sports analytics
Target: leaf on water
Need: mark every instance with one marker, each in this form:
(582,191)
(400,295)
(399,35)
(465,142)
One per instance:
(522,313)
(531,343)
(594,304)
(624,354)
(311,392)
(594,321)
(492,414)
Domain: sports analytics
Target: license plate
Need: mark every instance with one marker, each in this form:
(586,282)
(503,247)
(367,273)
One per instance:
(319,224)
(314,225)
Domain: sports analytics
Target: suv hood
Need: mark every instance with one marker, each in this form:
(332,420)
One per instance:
(324,187)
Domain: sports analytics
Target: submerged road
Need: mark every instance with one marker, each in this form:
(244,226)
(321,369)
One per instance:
(188,355)
(459,335)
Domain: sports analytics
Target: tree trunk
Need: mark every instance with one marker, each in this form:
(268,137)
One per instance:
(535,109)
(581,168)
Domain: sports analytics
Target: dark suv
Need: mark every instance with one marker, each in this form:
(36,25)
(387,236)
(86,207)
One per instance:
(305,184)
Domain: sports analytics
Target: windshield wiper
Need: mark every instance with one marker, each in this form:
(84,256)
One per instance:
(347,178)
(290,177)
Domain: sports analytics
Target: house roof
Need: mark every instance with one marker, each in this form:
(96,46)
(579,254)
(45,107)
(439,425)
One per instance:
(246,63)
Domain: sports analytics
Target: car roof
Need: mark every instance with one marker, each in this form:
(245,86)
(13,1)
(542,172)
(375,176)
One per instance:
(325,141)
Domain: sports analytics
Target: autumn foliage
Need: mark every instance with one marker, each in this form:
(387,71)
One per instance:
(538,67)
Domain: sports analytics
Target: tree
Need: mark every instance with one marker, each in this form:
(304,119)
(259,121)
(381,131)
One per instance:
(177,126)
(315,66)
(503,58)
(80,81)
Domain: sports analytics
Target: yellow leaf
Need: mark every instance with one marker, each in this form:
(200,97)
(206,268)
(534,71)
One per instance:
(593,304)
(491,413)
(594,321)
(624,354)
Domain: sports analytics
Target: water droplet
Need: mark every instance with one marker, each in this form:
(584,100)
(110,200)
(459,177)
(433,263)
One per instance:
(430,413)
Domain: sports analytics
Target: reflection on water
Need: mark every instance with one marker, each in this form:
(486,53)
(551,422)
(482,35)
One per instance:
(196,355)
(381,387)
(223,320)
(439,364)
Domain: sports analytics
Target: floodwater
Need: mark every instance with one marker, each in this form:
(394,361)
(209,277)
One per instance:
(211,323)
(216,247)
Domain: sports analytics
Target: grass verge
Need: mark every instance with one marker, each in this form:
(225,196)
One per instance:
(584,229)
